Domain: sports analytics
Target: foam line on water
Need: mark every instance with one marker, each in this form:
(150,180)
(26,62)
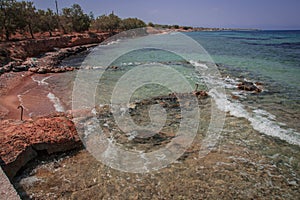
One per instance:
(56,102)
(41,82)
(197,64)
(261,120)
(111,43)
(21,99)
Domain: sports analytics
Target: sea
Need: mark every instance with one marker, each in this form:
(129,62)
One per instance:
(269,58)
(265,124)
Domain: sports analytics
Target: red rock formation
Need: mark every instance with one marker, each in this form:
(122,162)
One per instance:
(20,141)
(30,48)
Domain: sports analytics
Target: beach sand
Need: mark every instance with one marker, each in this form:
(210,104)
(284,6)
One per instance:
(20,89)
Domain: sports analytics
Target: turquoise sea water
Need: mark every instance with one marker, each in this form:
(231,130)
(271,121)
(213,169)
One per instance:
(258,146)
(269,57)
(270,54)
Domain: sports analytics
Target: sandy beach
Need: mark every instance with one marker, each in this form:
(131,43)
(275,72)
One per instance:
(22,90)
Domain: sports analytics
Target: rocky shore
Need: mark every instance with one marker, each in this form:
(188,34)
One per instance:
(22,141)
(237,168)
(20,50)
(43,55)
(48,63)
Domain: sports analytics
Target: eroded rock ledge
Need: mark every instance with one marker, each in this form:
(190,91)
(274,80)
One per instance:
(48,63)
(21,141)
(20,50)
(28,54)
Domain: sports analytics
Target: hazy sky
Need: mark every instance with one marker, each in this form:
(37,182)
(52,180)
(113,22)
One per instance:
(263,14)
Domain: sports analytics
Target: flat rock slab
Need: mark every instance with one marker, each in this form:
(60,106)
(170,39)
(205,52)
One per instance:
(7,191)
(20,141)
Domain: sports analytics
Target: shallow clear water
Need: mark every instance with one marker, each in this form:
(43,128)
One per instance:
(260,138)
(270,57)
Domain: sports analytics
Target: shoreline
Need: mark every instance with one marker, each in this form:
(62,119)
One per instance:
(48,130)
(10,101)
(219,160)
(20,50)
(16,76)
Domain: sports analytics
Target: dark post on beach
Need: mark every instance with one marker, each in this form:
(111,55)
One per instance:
(21,107)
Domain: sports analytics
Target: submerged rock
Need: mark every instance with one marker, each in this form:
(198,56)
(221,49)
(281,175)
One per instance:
(248,86)
(20,68)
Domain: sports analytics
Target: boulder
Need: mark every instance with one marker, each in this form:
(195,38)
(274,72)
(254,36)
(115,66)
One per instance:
(20,68)
(33,69)
(248,86)
(30,62)
(58,70)
(10,66)
(21,141)
(43,70)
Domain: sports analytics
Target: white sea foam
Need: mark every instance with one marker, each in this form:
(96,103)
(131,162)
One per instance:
(228,82)
(41,82)
(197,64)
(111,43)
(21,99)
(261,120)
(56,102)
(240,94)
(264,113)
(132,135)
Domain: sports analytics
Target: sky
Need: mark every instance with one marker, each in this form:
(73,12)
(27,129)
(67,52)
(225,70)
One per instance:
(261,14)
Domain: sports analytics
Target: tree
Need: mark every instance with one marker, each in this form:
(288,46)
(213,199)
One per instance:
(107,23)
(113,22)
(73,19)
(17,16)
(8,17)
(132,23)
(66,20)
(150,24)
(100,23)
(27,17)
(47,21)
(187,27)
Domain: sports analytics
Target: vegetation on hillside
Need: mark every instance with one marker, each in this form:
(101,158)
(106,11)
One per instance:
(22,17)
(169,26)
